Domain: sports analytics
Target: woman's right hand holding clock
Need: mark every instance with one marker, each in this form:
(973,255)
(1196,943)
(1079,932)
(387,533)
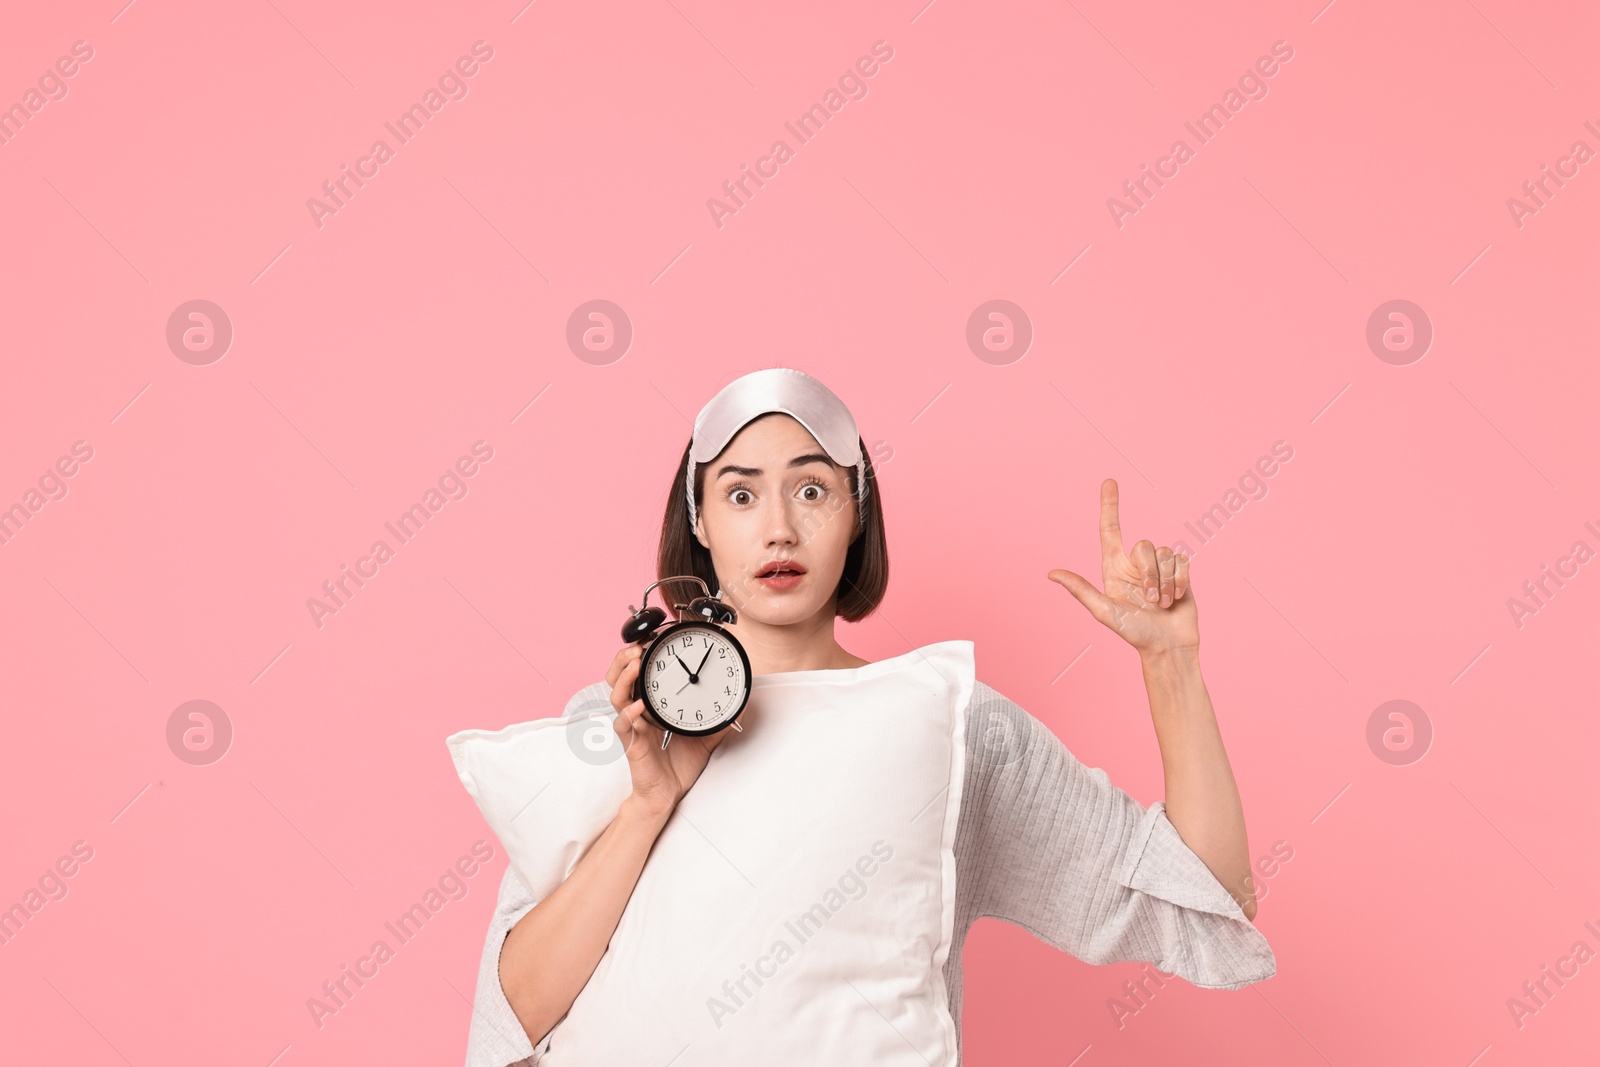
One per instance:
(660,776)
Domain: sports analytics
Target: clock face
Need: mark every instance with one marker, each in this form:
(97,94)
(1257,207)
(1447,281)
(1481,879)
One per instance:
(695,678)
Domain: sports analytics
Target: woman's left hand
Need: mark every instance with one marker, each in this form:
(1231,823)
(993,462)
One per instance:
(1165,623)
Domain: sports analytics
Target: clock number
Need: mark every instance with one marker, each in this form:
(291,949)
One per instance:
(699,716)
(688,640)
(722,651)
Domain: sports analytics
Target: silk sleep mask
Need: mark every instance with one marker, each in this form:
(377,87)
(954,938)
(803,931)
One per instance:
(795,393)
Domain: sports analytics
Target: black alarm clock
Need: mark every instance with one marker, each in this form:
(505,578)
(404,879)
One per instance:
(694,676)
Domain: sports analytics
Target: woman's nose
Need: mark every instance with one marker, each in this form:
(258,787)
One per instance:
(782,528)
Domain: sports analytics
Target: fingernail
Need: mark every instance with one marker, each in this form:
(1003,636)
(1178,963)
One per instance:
(1152,593)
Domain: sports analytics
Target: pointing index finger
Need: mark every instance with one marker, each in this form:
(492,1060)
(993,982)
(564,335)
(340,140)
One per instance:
(1110,527)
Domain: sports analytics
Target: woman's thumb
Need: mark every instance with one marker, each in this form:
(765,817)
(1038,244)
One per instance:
(1087,594)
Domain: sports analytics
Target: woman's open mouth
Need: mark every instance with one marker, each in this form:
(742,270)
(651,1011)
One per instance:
(781,574)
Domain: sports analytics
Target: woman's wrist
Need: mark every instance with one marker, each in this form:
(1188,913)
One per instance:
(637,811)
(1183,657)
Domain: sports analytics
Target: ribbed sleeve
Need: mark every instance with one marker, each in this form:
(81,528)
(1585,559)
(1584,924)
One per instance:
(496,1038)
(1052,846)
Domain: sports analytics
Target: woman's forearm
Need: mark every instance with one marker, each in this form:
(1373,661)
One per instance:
(550,953)
(1202,798)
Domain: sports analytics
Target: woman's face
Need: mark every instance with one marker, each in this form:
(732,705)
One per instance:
(774,495)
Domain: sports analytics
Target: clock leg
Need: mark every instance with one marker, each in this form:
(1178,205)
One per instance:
(666,735)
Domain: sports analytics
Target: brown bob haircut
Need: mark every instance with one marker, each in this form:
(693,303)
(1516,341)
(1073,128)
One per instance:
(866,565)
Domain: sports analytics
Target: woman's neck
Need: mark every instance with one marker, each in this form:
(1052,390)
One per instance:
(808,646)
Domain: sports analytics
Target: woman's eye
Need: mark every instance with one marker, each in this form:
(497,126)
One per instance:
(814,489)
(737,493)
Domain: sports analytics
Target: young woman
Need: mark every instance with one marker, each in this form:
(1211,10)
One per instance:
(775,505)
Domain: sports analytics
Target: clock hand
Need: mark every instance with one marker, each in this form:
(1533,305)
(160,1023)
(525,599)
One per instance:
(703,660)
(685,667)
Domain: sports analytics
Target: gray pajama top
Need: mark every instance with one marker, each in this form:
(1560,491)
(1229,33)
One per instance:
(1042,842)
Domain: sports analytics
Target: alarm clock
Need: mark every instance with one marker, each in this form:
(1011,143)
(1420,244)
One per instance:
(694,676)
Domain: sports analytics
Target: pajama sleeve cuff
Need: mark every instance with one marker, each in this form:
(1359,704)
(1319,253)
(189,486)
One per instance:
(1207,939)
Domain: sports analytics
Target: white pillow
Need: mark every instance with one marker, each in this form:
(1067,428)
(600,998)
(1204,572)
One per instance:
(798,906)
(548,788)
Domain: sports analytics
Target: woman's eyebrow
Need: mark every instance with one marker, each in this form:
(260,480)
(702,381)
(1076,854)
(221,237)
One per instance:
(798,461)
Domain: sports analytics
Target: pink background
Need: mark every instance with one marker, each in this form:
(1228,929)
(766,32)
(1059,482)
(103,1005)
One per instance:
(1227,314)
